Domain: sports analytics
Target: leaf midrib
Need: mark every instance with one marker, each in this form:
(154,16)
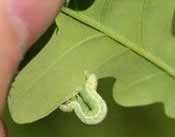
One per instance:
(121,39)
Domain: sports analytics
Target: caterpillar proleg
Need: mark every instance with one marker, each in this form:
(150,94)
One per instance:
(66,2)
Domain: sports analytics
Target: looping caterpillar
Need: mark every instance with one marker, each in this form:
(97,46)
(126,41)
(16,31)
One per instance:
(88,105)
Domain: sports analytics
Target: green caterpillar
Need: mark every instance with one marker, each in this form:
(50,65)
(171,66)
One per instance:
(88,105)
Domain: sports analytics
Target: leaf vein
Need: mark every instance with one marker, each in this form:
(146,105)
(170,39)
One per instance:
(99,35)
(121,39)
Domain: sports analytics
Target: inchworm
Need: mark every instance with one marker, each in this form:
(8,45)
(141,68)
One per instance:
(88,105)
